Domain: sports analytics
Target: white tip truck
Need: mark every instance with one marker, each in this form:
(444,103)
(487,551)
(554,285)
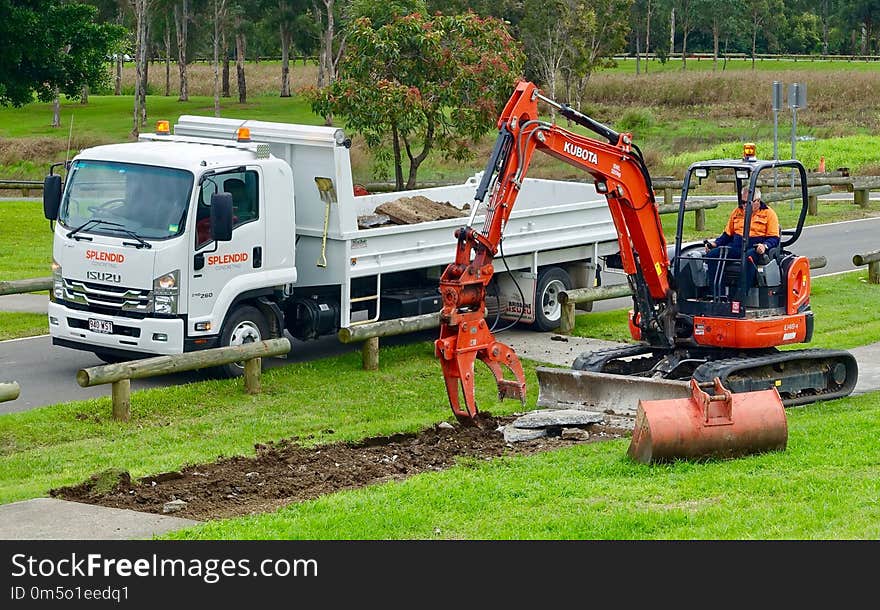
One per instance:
(228,231)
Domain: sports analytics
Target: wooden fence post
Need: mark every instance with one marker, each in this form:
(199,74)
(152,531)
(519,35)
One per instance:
(872,260)
(370,354)
(700,220)
(121,397)
(813,205)
(9,391)
(252,370)
(566,321)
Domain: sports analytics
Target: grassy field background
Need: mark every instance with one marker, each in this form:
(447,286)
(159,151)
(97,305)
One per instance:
(673,114)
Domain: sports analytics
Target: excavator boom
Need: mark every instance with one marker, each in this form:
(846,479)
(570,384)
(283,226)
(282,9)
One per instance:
(619,173)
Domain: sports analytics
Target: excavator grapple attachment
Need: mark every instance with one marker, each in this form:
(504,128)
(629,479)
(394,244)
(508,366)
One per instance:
(458,371)
(718,425)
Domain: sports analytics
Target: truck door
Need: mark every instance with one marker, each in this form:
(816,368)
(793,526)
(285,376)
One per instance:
(215,265)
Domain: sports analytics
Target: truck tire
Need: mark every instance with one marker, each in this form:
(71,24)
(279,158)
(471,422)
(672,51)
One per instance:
(548,310)
(245,324)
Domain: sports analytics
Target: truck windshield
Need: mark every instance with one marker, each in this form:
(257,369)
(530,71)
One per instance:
(148,201)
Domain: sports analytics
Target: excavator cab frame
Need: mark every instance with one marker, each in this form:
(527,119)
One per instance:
(746,172)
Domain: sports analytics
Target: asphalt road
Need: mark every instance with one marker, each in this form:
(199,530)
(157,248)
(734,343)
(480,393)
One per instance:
(47,374)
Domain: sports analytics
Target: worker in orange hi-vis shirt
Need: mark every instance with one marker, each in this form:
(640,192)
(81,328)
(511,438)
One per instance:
(763,236)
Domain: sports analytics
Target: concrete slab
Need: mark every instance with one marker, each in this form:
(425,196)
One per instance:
(551,348)
(53,519)
(25,303)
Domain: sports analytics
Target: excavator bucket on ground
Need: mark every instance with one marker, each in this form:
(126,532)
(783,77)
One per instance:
(672,419)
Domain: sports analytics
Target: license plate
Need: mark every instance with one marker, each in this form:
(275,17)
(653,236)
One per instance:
(101,326)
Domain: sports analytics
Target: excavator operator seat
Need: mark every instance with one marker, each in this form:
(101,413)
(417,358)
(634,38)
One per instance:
(691,274)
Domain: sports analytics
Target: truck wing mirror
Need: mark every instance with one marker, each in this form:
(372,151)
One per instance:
(221,217)
(51,196)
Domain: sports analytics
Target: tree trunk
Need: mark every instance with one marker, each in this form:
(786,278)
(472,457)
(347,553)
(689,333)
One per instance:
(285,60)
(117,89)
(240,50)
(824,27)
(140,65)
(416,161)
(146,76)
(398,162)
(225,83)
(56,109)
(715,36)
(754,43)
(638,52)
(219,10)
(671,32)
(326,73)
(684,46)
(648,36)
(181,19)
(120,57)
(167,57)
(84,96)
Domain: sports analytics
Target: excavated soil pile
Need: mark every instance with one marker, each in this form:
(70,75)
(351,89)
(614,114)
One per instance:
(413,210)
(284,472)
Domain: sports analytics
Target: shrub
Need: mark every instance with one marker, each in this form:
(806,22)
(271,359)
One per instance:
(636,120)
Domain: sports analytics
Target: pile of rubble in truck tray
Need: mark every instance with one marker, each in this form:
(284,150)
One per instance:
(409,211)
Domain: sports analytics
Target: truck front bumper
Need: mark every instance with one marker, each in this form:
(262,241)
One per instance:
(159,336)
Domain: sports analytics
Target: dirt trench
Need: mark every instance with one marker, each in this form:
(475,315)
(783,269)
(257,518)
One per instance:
(284,472)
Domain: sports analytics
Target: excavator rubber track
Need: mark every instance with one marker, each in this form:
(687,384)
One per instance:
(613,381)
(801,376)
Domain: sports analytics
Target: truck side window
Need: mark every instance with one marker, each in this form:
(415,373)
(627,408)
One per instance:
(245,201)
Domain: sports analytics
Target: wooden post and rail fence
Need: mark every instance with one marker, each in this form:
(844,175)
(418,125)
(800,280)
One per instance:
(25,186)
(872,260)
(121,374)
(9,391)
(36,284)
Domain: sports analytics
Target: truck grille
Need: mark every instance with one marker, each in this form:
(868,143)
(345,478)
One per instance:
(110,297)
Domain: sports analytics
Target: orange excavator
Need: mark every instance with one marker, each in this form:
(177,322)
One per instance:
(694,334)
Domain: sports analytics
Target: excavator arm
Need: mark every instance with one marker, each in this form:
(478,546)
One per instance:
(619,173)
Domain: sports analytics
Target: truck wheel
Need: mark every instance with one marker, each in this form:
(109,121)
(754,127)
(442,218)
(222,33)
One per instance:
(548,309)
(245,324)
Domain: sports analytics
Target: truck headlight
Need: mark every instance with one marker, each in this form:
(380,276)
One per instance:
(165,291)
(57,282)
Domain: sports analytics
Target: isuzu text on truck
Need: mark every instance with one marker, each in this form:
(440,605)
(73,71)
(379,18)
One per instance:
(230,231)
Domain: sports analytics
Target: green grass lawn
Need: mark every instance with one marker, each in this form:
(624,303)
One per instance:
(825,485)
(14,325)
(26,239)
(109,117)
